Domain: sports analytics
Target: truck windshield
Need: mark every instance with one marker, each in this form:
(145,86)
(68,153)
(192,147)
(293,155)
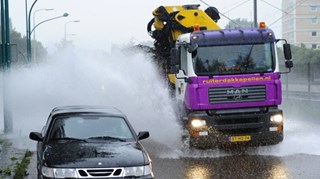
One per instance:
(233,59)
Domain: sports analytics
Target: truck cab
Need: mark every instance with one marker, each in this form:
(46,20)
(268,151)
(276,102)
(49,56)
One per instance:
(228,82)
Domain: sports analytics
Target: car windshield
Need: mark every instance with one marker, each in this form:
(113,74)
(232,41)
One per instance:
(233,59)
(81,128)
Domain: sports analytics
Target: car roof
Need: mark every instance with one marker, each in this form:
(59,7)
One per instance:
(107,110)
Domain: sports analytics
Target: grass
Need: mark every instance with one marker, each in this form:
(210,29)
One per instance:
(21,168)
(6,171)
(14,158)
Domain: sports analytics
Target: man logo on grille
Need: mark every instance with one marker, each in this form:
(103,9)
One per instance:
(237,97)
(237,93)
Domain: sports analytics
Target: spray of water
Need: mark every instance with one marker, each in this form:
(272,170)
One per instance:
(300,137)
(128,80)
(131,82)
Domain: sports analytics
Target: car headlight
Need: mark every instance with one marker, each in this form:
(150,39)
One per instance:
(278,118)
(138,171)
(59,172)
(198,123)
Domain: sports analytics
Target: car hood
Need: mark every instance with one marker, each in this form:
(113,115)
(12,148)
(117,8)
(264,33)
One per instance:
(94,155)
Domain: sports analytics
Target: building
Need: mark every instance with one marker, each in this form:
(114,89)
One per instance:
(301,22)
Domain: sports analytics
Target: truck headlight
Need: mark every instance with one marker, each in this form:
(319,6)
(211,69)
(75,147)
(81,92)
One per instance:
(59,172)
(278,118)
(198,123)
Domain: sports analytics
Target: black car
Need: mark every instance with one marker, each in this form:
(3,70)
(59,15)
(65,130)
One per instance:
(90,142)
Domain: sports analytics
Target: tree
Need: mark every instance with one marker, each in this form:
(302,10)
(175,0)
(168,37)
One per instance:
(64,44)
(239,23)
(19,48)
(302,55)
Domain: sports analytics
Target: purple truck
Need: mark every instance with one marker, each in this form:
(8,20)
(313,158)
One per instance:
(228,85)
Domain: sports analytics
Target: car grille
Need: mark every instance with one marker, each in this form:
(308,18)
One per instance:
(100,172)
(234,95)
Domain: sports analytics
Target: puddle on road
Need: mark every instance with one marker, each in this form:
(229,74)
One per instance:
(301,137)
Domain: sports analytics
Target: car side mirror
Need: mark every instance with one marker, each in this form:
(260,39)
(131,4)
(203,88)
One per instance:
(37,136)
(143,135)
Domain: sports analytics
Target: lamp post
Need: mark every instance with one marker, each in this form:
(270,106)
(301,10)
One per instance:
(34,18)
(33,29)
(255,14)
(6,61)
(65,28)
(63,15)
(34,33)
(28,34)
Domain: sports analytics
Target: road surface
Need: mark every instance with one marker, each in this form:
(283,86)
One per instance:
(298,156)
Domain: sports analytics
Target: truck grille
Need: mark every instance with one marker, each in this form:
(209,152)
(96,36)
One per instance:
(100,172)
(235,95)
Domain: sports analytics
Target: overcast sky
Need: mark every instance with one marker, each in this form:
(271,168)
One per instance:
(105,22)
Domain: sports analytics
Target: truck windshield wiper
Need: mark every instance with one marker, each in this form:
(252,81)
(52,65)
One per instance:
(108,138)
(246,61)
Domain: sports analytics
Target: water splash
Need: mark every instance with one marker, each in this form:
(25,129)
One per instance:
(128,80)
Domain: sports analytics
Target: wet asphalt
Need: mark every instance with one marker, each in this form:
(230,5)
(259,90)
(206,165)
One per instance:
(235,165)
(222,164)
(272,162)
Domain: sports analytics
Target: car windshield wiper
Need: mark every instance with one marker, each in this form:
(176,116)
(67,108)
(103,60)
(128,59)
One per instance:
(70,138)
(108,138)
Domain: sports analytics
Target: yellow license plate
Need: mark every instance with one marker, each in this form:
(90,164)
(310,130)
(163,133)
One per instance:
(240,138)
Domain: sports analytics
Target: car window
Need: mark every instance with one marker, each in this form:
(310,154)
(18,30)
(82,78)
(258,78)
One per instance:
(84,127)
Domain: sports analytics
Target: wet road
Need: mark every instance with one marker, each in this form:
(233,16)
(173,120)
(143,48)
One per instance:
(221,164)
(297,157)
(211,164)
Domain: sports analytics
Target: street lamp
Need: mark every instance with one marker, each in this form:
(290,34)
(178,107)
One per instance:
(33,31)
(63,15)
(34,34)
(34,19)
(65,28)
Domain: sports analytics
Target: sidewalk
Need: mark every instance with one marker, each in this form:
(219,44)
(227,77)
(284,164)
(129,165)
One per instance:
(12,151)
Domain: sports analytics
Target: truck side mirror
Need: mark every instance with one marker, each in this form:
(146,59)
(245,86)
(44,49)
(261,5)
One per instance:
(287,55)
(287,51)
(289,64)
(174,57)
(192,48)
(174,60)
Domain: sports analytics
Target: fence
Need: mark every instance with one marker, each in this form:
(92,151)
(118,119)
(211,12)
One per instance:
(304,79)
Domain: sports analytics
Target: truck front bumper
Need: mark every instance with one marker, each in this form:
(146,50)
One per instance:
(254,127)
